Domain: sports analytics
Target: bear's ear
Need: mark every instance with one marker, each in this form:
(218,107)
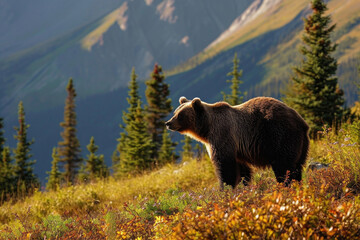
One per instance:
(196,104)
(183,100)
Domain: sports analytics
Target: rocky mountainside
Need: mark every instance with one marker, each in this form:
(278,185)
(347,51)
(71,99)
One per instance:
(99,54)
(266,38)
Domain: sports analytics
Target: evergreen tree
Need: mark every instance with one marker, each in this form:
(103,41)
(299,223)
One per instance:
(23,169)
(115,159)
(187,151)
(2,139)
(235,98)
(7,177)
(167,151)
(136,156)
(127,118)
(132,99)
(133,152)
(200,151)
(95,165)
(69,148)
(54,179)
(314,90)
(158,107)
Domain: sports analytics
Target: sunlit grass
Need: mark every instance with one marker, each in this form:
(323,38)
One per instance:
(184,200)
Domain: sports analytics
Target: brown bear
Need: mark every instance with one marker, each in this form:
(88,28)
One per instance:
(261,132)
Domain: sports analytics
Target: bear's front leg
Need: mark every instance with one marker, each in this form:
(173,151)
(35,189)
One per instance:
(226,168)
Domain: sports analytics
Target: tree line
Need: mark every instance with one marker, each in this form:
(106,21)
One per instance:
(145,144)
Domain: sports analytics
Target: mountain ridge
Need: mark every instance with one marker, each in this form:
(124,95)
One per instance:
(104,67)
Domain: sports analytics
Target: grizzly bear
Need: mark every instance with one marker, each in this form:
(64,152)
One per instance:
(262,132)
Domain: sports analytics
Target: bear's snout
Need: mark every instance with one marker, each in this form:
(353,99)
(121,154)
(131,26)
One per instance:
(172,125)
(167,124)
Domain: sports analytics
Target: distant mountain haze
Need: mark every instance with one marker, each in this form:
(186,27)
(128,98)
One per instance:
(24,23)
(99,54)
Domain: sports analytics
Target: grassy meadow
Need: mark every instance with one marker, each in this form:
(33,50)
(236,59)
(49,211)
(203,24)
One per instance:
(183,201)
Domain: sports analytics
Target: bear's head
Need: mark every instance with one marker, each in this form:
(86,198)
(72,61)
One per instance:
(189,118)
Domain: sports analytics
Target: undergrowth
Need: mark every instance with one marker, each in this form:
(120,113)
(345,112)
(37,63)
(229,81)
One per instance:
(184,202)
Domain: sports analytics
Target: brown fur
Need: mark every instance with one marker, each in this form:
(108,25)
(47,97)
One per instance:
(260,132)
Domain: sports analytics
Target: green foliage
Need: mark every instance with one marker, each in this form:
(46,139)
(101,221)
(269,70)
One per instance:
(235,98)
(54,179)
(69,149)
(187,151)
(95,166)
(158,107)
(23,168)
(110,219)
(132,100)
(135,144)
(200,152)
(137,155)
(314,91)
(7,175)
(167,151)
(55,226)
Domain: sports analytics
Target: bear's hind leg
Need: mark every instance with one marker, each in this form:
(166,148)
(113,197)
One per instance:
(283,174)
(243,174)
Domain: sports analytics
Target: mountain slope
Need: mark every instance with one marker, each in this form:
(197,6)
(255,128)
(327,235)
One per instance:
(268,49)
(24,23)
(100,55)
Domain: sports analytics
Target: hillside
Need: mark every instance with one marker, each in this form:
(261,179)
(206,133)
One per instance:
(100,53)
(175,202)
(25,24)
(267,46)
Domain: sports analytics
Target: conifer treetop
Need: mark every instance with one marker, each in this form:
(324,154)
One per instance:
(314,90)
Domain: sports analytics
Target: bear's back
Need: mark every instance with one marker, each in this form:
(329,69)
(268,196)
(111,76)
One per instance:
(271,110)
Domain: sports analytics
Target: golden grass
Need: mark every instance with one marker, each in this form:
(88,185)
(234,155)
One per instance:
(169,202)
(80,199)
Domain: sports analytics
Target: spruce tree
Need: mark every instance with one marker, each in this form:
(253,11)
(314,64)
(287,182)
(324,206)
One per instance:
(7,177)
(137,155)
(314,90)
(236,97)
(69,148)
(134,149)
(200,151)
(95,165)
(54,179)
(167,151)
(187,151)
(158,107)
(127,117)
(23,168)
